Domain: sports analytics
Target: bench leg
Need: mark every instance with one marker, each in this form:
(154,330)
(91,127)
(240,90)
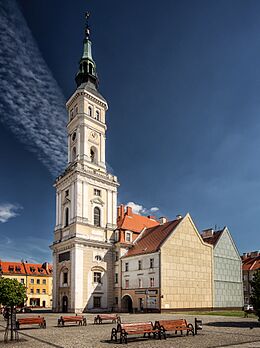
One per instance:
(114,335)
(84,322)
(123,337)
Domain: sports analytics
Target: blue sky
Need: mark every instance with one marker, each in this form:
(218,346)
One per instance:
(182,80)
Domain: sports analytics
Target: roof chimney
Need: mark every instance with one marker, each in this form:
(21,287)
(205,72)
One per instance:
(120,211)
(207,233)
(129,211)
(162,220)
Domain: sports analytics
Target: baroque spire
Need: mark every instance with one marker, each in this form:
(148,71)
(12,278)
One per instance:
(87,67)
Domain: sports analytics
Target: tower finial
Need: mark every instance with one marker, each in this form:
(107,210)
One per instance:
(87,30)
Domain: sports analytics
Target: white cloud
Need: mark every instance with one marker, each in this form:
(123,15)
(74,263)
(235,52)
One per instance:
(8,211)
(31,103)
(139,209)
(154,209)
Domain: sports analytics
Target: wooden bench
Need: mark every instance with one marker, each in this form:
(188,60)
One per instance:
(31,321)
(80,319)
(125,329)
(101,317)
(174,325)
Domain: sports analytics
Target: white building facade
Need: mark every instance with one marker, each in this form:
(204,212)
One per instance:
(86,202)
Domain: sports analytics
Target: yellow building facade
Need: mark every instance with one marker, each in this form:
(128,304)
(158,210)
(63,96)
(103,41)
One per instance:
(37,278)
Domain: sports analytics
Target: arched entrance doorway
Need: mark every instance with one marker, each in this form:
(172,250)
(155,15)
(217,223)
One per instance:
(127,304)
(64,304)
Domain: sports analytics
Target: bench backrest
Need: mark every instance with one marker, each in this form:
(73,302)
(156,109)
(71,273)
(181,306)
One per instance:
(75,317)
(107,316)
(172,324)
(136,326)
(30,320)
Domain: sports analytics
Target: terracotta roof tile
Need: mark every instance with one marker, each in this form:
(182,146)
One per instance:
(152,238)
(136,223)
(251,263)
(12,267)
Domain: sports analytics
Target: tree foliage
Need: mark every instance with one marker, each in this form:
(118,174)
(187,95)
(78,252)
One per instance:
(12,293)
(255,298)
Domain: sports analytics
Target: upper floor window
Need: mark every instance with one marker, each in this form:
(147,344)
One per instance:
(38,291)
(38,281)
(22,280)
(139,265)
(116,236)
(128,236)
(67,193)
(73,154)
(90,111)
(139,282)
(31,291)
(44,291)
(127,283)
(126,267)
(116,256)
(151,263)
(32,281)
(66,221)
(116,278)
(65,277)
(74,135)
(93,155)
(97,277)
(151,282)
(97,115)
(44,281)
(97,192)
(97,216)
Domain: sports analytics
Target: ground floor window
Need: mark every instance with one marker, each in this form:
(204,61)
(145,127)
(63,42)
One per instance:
(96,301)
(34,302)
(152,302)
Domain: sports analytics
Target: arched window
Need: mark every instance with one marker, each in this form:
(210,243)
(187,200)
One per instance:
(73,154)
(66,221)
(90,67)
(90,111)
(97,115)
(96,216)
(93,154)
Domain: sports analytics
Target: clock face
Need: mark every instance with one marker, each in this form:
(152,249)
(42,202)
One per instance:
(94,135)
(74,135)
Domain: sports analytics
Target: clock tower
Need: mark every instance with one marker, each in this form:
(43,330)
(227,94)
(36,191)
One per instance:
(86,201)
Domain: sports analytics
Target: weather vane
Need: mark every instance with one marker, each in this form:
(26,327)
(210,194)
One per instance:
(87,15)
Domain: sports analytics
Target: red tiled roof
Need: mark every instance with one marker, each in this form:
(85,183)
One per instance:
(251,263)
(35,269)
(9,267)
(12,267)
(152,238)
(213,239)
(134,222)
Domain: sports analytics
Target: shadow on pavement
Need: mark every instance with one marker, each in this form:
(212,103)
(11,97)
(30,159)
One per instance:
(238,324)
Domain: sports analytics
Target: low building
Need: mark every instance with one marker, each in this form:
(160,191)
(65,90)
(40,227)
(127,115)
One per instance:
(251,264)
(129,227)
(37,278)
(227,270)
(169,267)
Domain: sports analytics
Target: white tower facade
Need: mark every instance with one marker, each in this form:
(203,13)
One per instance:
(86,202)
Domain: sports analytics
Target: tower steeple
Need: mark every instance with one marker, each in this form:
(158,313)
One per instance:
(87,67)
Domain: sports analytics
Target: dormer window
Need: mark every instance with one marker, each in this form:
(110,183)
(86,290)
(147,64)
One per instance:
(18,269)
(32,269)
(11,268)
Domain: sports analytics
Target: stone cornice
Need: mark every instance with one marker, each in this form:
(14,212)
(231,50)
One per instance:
(83,117)
(70,243)
(87,94)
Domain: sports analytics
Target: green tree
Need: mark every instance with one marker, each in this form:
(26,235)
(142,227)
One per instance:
(12,294)
(255,298)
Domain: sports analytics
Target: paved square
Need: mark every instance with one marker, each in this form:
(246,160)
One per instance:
(217,332)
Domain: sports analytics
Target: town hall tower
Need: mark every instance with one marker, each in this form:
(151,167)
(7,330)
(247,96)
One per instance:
(86,201)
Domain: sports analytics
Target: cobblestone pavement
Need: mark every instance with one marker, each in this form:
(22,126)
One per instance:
(218,332)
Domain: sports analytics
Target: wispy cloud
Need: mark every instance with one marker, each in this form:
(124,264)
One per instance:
(8,211)
(140,209)
(29,249)
(31,103)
